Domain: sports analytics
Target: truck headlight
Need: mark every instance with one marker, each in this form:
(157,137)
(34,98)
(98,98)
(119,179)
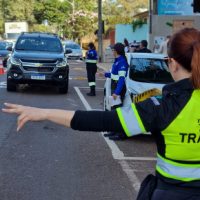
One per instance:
(62,63)
(15,61)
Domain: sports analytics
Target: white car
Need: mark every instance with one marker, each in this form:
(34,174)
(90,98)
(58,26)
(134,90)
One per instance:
(76,53)
(147,71)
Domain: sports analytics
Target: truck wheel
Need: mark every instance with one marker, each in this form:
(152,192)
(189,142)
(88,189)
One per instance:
(11,87)
(64,88)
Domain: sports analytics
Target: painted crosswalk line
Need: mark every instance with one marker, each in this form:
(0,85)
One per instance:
(3,84)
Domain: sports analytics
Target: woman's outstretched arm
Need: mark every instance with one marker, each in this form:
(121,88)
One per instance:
(26,113)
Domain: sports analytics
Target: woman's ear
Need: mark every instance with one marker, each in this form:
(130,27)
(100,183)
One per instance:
(174,65)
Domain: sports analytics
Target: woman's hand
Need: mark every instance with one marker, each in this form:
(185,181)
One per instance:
(62,117)
(107,74)
(25,113)
(114,96)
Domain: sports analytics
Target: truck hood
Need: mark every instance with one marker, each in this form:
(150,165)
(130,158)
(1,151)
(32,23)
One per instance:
(4,53)
(38,55)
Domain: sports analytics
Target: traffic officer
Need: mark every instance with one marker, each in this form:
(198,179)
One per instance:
(91,67)
(118,76)
(174,120)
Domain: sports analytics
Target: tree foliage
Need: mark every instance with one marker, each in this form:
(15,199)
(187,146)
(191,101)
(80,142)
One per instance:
(63,19)
(122,11)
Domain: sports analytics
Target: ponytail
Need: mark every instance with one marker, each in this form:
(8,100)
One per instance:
(124,55)
(119,48)
(195,65)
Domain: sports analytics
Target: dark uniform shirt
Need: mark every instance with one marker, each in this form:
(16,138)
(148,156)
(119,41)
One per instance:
(156,114)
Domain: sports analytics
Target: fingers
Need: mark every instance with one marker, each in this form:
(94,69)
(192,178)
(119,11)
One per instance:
(12,108)
(11,105)
(17,109)
(21,122)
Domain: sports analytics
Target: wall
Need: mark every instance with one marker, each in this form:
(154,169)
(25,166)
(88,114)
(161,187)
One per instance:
(159,27)
(126,31)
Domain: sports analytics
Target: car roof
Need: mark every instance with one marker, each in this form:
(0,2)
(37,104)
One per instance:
(71,43)
(39,34)
(146,55)
(2,41)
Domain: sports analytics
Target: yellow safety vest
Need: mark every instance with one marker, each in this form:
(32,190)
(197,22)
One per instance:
(181,137)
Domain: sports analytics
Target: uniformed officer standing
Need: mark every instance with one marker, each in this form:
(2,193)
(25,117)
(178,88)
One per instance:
(91,67)
(174,120)
(118,76)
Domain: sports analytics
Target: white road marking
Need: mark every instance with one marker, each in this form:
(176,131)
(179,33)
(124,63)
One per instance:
(139,158)
(84,78)
(85,103)
(89,87)
(117,153)
(3,84)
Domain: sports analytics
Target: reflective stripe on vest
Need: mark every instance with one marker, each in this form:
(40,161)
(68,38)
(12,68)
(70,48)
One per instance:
(122,73)
(182,142)
(130,120)
(90,61)
(178,171)
(92,83)
(114,77)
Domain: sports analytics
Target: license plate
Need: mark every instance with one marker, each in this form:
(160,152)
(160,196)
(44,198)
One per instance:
(38,77)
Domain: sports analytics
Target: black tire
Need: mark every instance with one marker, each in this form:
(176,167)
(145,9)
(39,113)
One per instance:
(11,87)
(64,88)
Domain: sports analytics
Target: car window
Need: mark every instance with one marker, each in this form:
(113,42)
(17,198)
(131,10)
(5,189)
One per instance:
(72,46)
(149,70)
(39,44)
(3,45)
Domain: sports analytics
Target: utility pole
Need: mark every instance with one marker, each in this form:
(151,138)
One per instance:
(100,31)
(150,16)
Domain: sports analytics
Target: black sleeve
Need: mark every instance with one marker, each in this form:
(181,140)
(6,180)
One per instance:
(96,121)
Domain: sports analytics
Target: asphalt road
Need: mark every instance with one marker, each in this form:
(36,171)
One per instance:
(45,161)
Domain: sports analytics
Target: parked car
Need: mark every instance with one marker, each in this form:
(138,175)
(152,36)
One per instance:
(76,53)
(4,52)
(147,71)
(38,58)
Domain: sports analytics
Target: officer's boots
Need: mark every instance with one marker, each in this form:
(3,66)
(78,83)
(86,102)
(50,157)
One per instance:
(92,91)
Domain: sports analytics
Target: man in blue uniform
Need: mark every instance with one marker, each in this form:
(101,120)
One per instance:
(91,67)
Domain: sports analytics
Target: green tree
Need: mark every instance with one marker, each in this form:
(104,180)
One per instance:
(122,11)
(18,10)
(82,20)
(1,17)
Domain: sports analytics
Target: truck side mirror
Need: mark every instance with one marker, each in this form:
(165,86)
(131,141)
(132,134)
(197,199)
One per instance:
(9,48)
(68,51)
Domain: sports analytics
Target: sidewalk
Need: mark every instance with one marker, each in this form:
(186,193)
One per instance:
(104,66)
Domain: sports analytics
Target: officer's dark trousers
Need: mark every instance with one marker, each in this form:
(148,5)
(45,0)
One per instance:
(160,194)
(122,94)
(91,71)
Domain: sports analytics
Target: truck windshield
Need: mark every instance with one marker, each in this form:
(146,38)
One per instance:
(149,70)
(72,46)
(39,44)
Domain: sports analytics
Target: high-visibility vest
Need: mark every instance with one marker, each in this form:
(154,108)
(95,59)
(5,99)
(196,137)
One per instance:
(181,157)
(182,140)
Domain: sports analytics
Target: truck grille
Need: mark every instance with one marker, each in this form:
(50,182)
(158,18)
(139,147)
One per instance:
(38,69)
(38,65)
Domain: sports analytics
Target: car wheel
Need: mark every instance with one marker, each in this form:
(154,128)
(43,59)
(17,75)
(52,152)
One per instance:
(64,88)
(11,87)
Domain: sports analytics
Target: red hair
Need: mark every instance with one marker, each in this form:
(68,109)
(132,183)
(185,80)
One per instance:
(184,47)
